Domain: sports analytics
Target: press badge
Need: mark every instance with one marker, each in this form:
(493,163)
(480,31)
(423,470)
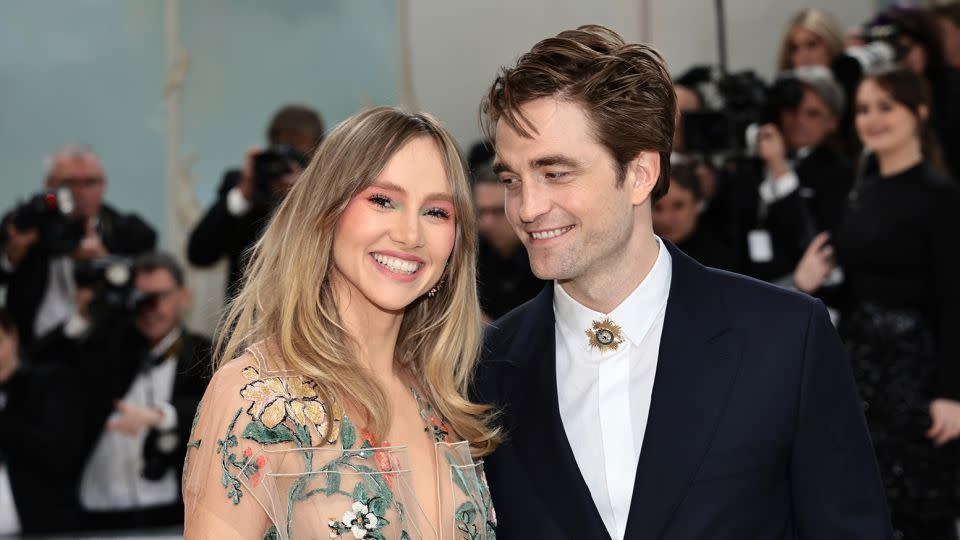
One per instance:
(760,246)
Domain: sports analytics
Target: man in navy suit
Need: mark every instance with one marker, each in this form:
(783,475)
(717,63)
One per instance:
(644,396)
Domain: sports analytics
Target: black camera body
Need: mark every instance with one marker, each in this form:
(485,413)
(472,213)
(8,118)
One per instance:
(746,99)
(49,212)
(111,278)
(272,164)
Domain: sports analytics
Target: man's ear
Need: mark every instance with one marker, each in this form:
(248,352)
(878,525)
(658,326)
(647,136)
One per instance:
(643,172)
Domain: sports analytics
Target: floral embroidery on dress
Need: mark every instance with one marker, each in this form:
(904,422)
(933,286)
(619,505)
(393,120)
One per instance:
(359,521)
(360,471)
(434,425)
(276,399)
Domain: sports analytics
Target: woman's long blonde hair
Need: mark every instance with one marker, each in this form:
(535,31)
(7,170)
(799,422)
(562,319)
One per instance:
(820,23)
(287,298)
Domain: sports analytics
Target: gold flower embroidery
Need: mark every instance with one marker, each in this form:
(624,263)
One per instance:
(276,399)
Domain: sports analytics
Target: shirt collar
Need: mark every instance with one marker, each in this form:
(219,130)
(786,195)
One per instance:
(635,315)
(164,345)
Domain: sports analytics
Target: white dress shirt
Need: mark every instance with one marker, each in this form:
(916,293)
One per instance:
(605,396)
(112,478)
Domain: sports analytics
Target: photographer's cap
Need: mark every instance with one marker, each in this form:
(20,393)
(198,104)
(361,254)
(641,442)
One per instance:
(820,80)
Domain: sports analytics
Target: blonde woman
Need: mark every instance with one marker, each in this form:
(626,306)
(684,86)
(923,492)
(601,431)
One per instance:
(812,38)
(338,407)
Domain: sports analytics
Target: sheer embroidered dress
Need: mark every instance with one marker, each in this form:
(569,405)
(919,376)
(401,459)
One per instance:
(267,459)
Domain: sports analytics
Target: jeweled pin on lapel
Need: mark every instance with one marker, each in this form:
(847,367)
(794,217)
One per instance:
(605,335)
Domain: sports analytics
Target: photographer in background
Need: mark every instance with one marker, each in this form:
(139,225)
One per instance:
(504,278)
(676,218)
(42,239)
(145,374)
(248,196)
(806,181)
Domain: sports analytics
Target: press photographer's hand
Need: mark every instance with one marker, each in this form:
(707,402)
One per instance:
(815,266)
(91,246)
(772,150)
(247,184)
(19,242)
(134,419)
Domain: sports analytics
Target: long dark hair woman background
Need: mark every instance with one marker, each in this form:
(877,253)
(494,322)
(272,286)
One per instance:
(898,250)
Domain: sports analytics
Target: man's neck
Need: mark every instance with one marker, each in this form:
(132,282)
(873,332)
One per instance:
(604,288)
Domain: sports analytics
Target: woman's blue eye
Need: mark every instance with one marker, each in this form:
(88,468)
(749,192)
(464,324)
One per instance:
(381,200)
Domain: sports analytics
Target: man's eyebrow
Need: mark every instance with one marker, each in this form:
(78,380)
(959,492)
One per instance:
(501,167)
(549,161)
(539,163)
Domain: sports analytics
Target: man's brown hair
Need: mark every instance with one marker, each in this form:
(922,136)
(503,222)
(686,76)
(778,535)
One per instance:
(624,89)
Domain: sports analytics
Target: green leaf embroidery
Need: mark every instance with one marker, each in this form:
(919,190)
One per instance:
(404,535)
(333,484)
(271,534)
(360,492)
(457,474)
(378,506)
(348,434)
(256,431)
(296,490)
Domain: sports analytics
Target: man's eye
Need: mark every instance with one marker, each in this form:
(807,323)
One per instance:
(555,175)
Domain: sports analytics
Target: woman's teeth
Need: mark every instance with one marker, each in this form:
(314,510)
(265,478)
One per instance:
(394,264)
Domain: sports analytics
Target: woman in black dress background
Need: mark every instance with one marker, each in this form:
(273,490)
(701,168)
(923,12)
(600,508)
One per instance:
(900,252)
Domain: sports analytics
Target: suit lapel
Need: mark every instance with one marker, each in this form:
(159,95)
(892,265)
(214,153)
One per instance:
(540,440)
(698,363)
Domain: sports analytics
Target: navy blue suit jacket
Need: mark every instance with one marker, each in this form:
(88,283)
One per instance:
(755,428)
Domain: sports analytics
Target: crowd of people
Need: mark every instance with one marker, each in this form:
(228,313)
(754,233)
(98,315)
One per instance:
(841,184)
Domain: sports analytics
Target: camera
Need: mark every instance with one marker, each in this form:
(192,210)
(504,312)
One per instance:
(745,100)
(112,279)
(49,213)
(272,164)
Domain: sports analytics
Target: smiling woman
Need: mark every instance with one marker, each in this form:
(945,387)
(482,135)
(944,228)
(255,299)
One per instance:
(357,324)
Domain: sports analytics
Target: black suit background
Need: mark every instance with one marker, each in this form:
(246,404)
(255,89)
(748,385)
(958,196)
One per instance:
(220,234)
(825,178)
(57,407)
(755,429)
(112,359)
(121,234)
(41,423)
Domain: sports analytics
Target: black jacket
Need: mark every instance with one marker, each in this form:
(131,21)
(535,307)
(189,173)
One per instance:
(825,178)
(41,424)
(56,408)
(122,234)
(755,429)
(220,234)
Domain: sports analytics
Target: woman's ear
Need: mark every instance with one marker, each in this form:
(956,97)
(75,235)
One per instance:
(923,112)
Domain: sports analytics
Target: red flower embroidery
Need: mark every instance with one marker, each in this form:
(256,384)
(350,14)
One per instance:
(248,451)
(384,465)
